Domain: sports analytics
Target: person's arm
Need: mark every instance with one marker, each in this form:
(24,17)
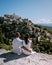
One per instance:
(31,46)
(23,47)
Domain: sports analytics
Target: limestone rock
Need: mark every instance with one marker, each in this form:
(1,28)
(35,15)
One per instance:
(9,58)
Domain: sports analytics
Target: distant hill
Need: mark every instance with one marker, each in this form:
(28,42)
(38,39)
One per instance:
(46,25)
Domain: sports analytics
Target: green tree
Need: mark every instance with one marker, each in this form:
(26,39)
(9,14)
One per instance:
(1,37)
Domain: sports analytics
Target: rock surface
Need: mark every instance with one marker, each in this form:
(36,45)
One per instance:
(9,58)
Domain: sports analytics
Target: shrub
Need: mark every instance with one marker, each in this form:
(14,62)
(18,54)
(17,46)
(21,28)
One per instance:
(4,46)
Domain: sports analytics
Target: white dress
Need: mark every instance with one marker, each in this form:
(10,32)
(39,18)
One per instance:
(28,47)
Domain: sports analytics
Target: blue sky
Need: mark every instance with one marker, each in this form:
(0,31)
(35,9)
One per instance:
(38,11)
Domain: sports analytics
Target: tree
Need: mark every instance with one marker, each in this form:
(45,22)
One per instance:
(1,37)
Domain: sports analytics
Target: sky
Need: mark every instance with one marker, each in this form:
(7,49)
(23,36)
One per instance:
(38,11)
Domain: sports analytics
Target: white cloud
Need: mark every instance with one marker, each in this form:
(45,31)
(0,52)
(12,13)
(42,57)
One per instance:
(44,21)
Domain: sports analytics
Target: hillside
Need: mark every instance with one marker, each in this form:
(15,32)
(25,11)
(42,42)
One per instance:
(10,24)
